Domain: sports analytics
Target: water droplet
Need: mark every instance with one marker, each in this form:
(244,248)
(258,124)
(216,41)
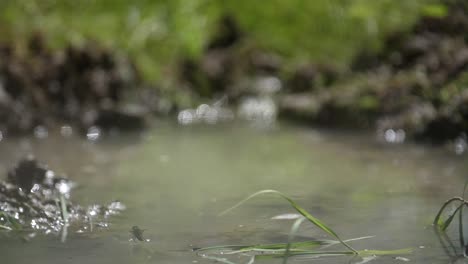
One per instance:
(63,187)
(36,187)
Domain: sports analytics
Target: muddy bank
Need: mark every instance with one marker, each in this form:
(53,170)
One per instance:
(413,87)
(78,86)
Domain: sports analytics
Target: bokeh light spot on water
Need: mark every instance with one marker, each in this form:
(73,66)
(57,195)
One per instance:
(206,114)
(268,85)
(394,136)
(460,145)
(186,117)
(93,133)
(258,109)
(41,132)
(66,131)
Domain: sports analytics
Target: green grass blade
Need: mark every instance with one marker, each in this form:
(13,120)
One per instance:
(14,224)
(446,242)
(437,220)
(347,240)
(63,207)
(444,225)
(303,244)
(225,247)
(270,247)
(291,236)
(5,227)
(308,253)
(404,251)
(460,227)
(464,189)
(300,210)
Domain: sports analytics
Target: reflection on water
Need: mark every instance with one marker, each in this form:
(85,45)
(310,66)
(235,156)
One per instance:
(174,181)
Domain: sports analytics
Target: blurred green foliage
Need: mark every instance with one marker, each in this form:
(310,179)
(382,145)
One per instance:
(157,32)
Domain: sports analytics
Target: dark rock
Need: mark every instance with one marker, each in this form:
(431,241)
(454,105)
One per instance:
(26,174)
(123,120)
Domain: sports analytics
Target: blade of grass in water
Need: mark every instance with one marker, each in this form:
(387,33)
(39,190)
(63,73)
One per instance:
(275,252)
(462,241)
(437,220)
(277,246)
(291,236)
(300,210)
(464,189)
(444,225)
(341,253)
(63,207)
(13,222)
(5,227)
(460,228)
(347,240)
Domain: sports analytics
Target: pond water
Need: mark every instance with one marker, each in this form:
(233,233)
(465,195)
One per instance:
(175,180)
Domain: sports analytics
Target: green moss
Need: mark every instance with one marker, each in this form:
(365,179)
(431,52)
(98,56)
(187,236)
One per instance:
(156,33)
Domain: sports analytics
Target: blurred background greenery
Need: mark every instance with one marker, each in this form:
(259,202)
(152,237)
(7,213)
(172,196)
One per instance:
(158,33)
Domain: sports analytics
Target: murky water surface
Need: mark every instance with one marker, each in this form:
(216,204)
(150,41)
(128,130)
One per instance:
(176,180)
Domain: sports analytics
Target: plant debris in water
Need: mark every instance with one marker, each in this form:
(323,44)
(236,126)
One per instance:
(304,249)
(35,199)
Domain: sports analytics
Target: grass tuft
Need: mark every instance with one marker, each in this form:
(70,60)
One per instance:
(305,249)
(441,225)
(300,210)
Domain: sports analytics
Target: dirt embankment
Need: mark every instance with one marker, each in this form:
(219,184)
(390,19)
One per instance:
(76,86)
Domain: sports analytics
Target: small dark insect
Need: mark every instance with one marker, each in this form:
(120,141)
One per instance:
(137,233)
